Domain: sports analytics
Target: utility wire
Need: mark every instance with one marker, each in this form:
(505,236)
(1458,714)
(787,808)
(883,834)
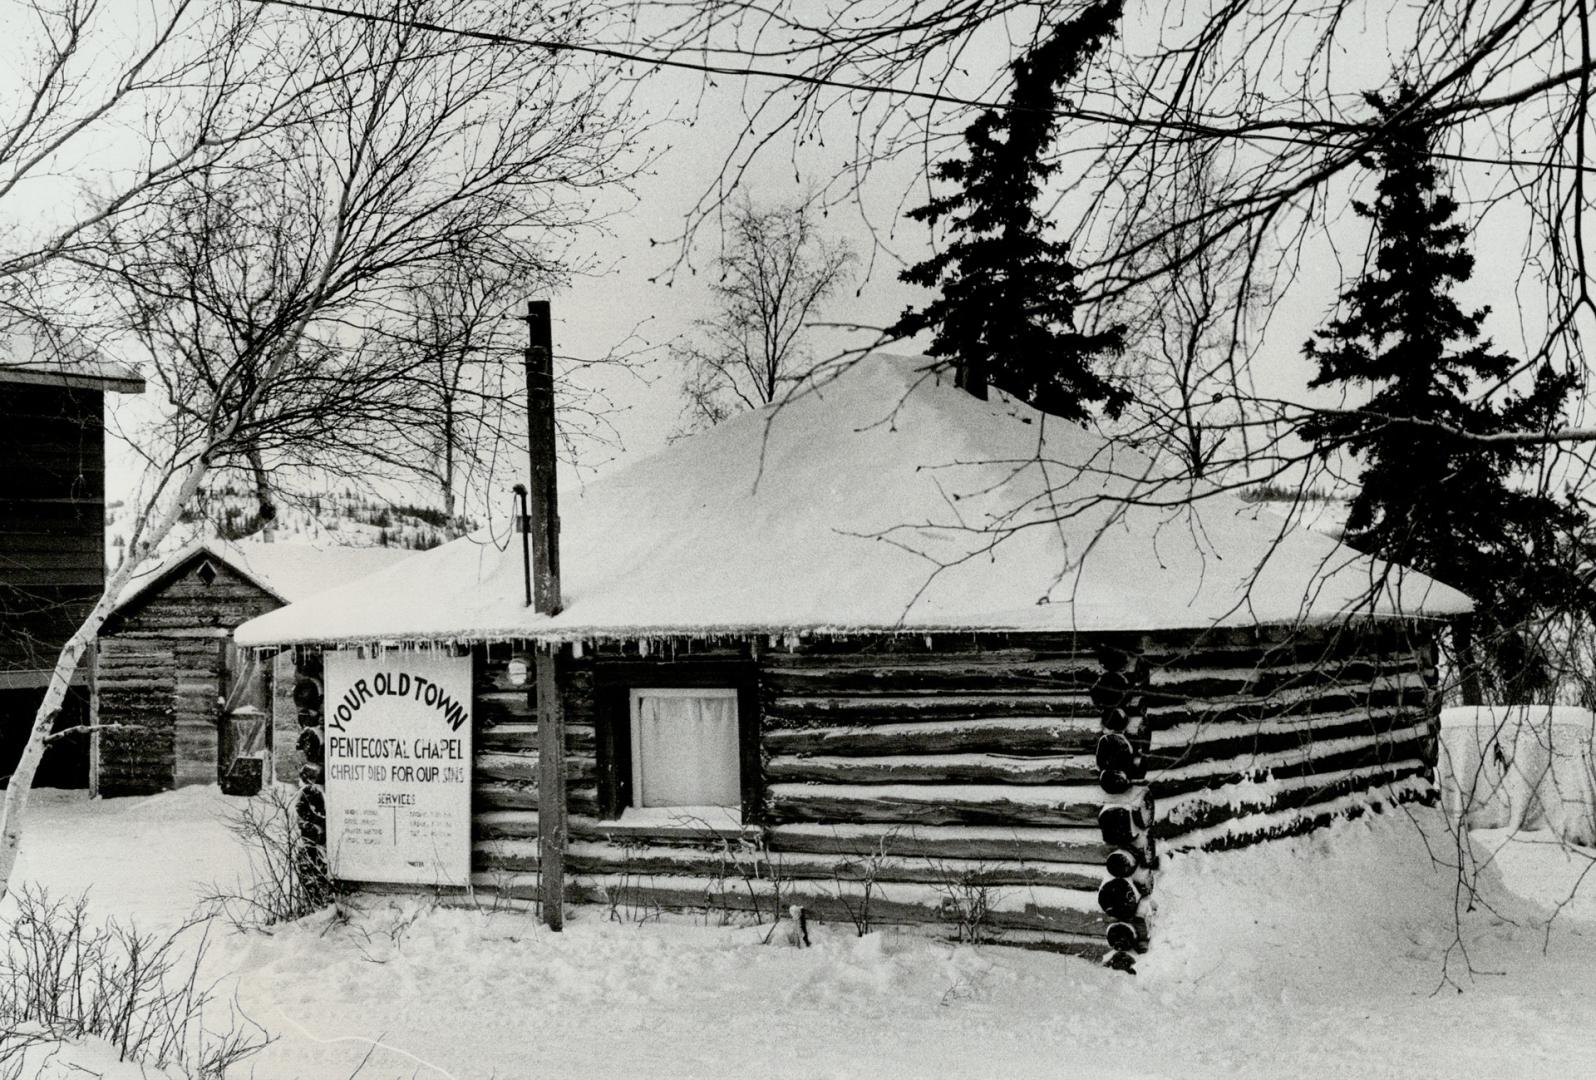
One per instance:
(748,71)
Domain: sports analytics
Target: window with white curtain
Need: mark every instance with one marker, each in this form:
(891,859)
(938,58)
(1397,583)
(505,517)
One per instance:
(685,749)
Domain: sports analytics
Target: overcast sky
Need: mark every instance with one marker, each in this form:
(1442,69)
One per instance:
(647,283)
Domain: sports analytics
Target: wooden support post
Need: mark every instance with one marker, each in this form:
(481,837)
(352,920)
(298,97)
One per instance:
(544,497)
(544,522)
(551,789)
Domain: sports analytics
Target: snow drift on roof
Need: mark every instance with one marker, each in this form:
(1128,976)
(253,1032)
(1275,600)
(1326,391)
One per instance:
(57,359)
(290,572)
(885,499)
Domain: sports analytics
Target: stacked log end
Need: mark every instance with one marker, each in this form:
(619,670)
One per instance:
(1121,774)
(310,803)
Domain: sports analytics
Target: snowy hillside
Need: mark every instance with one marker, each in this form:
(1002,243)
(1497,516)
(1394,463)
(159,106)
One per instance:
(343,518)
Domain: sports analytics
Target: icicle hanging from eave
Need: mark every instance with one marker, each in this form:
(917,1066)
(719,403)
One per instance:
(656,641)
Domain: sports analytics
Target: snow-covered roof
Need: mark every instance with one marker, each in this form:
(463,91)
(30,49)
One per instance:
(57,360)
(884,499)
(290,572)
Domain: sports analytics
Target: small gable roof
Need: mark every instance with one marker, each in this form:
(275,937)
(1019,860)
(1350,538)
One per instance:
(885,499)
(288,572)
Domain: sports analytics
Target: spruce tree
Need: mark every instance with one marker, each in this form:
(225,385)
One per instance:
(1006,313)
(1451,507)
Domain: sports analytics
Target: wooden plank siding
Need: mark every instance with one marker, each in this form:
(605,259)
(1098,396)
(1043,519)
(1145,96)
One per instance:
(136,690)
(52,519)
(163,661)
(52,558)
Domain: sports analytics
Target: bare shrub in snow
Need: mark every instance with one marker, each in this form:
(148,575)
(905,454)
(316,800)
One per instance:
(623,901)
(967,902)
(288,880)
(378,938)
(971,987)
(501,895)
(748,865)
(63,978)
(744,867)
(792,931)
(628,900)
(865,870)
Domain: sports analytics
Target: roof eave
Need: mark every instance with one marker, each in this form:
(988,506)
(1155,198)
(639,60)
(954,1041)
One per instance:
(565,634)
(117,381)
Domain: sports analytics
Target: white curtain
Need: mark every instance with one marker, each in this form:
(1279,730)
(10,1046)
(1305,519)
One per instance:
(686,751)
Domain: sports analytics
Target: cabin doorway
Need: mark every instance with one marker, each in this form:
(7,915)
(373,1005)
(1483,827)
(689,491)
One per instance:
(244,722)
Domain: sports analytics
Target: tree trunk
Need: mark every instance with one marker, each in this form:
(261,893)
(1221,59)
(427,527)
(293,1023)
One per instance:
(266,509)
(1468,662)
(970,376)
(448,459)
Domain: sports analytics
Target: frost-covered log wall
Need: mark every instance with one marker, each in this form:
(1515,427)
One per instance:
(1003,787)
(974,764)
(960,781)
(1260,734)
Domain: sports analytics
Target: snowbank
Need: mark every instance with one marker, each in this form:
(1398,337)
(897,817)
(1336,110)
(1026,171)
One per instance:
(1521,767)
(1327,905)
(1314,957)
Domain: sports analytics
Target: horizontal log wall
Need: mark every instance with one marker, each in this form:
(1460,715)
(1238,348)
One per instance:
(1251,735)
(989,746)
(505,773)
(162,661)
(136,686)
(952,780)
(1005,781)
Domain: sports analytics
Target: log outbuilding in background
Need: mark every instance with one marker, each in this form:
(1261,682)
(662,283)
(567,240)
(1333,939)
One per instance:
(899,655)
(170,681)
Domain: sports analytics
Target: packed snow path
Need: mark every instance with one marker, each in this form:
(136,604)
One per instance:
(1317,957)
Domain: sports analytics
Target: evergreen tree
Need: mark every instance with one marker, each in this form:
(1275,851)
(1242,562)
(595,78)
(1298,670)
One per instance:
(1446,505)
(1006,314)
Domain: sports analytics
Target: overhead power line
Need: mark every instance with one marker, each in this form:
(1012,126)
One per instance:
(749,71)
(746,71)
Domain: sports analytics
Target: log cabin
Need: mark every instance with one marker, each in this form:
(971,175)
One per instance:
(179,703)
(52,535)
(887,652)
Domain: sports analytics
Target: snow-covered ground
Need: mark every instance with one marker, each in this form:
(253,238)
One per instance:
(1325,956)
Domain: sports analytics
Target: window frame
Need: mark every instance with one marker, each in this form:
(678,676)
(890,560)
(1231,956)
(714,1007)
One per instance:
(614,683)
(634,699)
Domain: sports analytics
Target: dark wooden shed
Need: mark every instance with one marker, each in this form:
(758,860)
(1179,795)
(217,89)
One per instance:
(52,534)
(889,653)
(177,699)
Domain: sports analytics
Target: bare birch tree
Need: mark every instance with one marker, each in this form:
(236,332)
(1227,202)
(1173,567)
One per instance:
(126,100)
(458,330)
(253,290)
(1190,356)
(775,270)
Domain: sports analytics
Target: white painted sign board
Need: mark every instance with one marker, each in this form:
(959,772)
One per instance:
(398,767)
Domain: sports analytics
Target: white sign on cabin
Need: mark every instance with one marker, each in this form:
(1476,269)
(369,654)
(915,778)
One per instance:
(398,777)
